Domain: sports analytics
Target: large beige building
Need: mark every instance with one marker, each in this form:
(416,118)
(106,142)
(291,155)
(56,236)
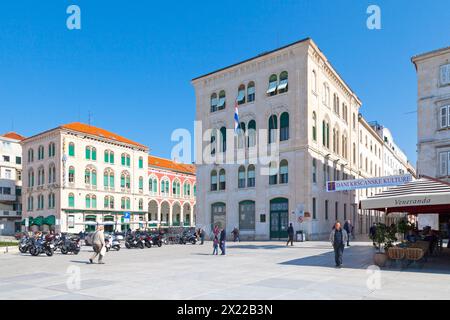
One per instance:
(433,113)
(293,97)
(77,173)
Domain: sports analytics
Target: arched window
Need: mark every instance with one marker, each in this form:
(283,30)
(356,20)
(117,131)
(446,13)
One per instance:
(71,200)
(125,180)
(41,176)
(283,86)
(213,180)
(195,190)
(71,174)
(187,189)
(354,121)
(251,133)
(141,184)
(153,185)
(176,189)
(222,181)
(108,179)
(251,92)
(284,126)
(141,163)
(251,176)
(125,203)
(41,152)
(241,94)
(51,173)
(91,153)
(354,153)
(213,141)
(314,81)
(30,155)
(314,126)
(314,170)
(214,102)
(51,150)
(126,160)
(222,100)
(71,149)
(51,201)
(165,187)
(273,83)
(241,177)
(108,202)
(273,126)
(109,156)
(326,94)
(141,204)
(223,139)
(241,135)
(90,177)
(273,173)
(284,172)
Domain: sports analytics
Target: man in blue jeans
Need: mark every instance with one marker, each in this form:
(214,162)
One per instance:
(223,238)
(338,238)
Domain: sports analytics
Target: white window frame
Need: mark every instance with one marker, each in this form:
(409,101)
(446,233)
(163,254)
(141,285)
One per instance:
(444,118)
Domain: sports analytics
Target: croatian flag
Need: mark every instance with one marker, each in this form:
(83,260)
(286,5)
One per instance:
(236,118)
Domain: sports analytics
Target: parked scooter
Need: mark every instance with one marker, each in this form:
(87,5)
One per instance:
(111,242)
(157,239)
(135,241)
(148,239)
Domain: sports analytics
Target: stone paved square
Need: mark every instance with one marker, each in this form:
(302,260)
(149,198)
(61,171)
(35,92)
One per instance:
(250,270)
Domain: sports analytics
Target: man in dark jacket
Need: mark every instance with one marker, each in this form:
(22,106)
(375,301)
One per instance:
(348,228)
(202,236)
(222,239)
(290,235)
(338,238)
(372,233)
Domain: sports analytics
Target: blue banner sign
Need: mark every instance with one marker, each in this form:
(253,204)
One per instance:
(379,182)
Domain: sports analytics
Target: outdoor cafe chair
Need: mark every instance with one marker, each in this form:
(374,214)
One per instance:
(414,255)
(396,255)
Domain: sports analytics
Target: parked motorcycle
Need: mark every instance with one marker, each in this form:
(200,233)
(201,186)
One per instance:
(25,244)
(41,245)
(135,241)
(68,245)
(148,240)
(187,237)
(157,239)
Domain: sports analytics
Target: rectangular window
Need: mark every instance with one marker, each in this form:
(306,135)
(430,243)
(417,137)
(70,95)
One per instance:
(71,150)
(444,117)
(128,162)
(18,160)
(71,221)
(88,153)
(326,209)
(314,209)
(444,74)
(141,163)
(336,210)
(6,158)
(443,163)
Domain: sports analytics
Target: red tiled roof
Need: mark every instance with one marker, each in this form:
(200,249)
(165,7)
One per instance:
(85,128)
(171,165)
(14,135)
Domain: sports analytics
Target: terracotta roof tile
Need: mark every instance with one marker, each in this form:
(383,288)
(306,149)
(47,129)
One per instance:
(14,135)
(171,165)
(85,128)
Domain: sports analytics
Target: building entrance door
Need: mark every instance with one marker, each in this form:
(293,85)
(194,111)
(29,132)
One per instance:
(279,218)
(218,215)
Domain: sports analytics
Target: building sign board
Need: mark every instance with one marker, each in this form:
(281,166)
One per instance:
(379,182)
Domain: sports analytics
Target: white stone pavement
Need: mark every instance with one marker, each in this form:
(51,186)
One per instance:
(251,270)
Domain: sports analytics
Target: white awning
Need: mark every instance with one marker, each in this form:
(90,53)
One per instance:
(425,195)
(272,87)
(283,85)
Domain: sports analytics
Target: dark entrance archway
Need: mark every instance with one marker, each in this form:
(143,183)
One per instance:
(279,218)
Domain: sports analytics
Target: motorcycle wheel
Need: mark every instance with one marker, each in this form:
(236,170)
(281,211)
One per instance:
(148,244)
(23,250)
(49,252)
(193,241)
(159,244)
(141,245)
(34,251)
(64,250)
(76,251)
(118,248)
(127,245)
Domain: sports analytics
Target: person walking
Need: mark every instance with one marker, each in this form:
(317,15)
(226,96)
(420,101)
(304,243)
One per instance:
(202,236)
(338,238)
(98,243)
(348,228)
(235,234)
(215,246)
(372,233)
(290,235)
(216,230)
(222,239)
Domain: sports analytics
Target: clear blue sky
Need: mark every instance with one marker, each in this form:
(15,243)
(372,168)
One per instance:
(132,61)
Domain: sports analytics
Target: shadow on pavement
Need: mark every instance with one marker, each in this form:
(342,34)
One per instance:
(361,257)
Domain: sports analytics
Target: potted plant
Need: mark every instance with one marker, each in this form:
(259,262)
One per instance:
(381,240)
(404,227)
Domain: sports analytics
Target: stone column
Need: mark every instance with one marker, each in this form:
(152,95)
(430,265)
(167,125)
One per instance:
(191,216)
(181,215)
(170,215)
(159,214)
